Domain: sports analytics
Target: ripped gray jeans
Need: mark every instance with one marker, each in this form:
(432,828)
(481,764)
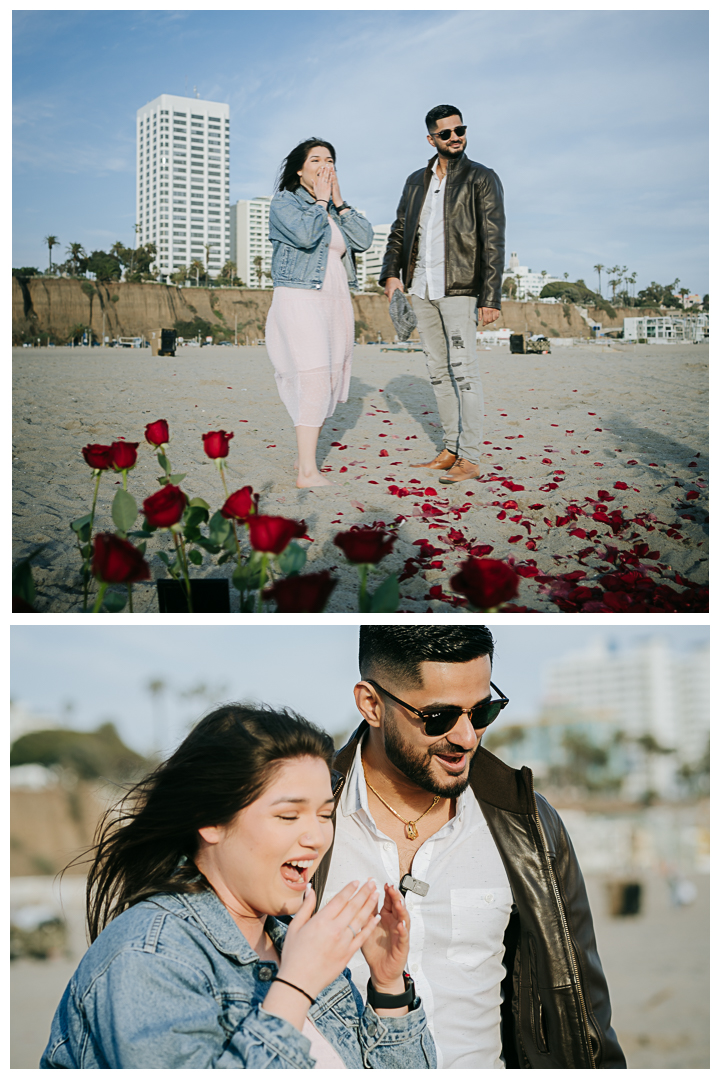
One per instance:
(447,329)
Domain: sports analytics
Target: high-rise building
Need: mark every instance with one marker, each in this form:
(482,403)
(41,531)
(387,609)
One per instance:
(369,263)
(250,247)
(183,181)
(651,691)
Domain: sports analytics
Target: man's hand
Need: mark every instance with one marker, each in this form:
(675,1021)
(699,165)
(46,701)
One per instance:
(392,284)
(489,314)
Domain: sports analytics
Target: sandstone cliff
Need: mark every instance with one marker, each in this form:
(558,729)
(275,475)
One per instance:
(56,306)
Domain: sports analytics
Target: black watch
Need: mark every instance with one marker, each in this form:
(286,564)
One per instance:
(343,206)
(391,1001)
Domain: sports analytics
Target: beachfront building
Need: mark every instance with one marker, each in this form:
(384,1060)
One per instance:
(652,695)
(183,181)
(250,247)
(645,708)
(657,329)
(528,284)
(369,263)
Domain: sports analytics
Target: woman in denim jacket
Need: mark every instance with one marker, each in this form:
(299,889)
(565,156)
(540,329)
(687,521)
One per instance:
(192,965)
(310,328)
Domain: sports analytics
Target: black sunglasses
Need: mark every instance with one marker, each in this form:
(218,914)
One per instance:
(447,132)
(440,721)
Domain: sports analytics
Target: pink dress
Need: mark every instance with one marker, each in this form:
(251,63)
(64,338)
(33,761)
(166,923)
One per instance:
(309,336)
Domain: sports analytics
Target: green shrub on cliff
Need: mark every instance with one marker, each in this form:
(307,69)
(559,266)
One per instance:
(105,267)
(90,754)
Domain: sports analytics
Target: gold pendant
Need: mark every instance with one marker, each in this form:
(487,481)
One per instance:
(410,831)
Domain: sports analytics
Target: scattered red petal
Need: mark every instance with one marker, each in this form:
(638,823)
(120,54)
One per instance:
(514,539)
(693,495)
(383,453)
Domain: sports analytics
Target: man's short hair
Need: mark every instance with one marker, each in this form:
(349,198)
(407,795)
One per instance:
(439,113)
(398,651)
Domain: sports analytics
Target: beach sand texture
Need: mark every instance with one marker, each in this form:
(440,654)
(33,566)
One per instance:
(621,427)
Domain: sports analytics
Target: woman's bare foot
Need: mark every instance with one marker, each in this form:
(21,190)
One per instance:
(313,480)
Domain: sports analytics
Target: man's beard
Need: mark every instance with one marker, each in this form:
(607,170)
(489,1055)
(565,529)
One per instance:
(451,153)
(415,765)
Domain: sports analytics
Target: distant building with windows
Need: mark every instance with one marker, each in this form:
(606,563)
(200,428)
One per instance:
(647,707)
(369,263)
(250,241)
(183,181)
(528,284)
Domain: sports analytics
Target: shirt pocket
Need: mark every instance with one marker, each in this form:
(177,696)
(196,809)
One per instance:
(479,918)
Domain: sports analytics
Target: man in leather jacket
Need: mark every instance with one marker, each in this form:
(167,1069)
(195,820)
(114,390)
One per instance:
(502,948)
(447,246)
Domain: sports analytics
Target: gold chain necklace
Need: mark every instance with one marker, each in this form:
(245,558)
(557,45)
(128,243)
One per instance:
(410,826)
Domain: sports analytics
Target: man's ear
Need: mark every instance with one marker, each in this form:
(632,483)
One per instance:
(369,706)
(211,834)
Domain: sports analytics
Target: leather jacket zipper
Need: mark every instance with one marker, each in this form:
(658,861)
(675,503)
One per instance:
(566,931)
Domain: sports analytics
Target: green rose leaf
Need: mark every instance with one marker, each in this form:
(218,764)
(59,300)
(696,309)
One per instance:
(176,477)
(220,532)
(163,462)
(387,596)
(81,526)
(124,510)
(199,502)
(113,601)
(195,515)
(195,557)
(292,559)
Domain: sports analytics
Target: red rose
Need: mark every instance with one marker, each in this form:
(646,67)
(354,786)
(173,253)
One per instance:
(239,505)
(116,561)
(364,545)
(486,583)
(157,433)
(97,456)
(217,443)
(273,534)
(165,507)
(123,455)
(302,592)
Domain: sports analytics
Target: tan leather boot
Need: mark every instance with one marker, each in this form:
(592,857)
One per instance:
(444,460)
(461,470)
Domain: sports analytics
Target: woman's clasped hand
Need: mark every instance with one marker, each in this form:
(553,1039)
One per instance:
(319,947)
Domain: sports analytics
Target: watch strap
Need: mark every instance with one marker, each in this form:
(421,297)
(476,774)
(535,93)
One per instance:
(343,206)
(391,1001)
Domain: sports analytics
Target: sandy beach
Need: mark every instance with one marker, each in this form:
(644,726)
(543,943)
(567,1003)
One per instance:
(595,464)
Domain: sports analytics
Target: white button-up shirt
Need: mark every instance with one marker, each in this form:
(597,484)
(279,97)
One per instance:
(456,932)
(429,273)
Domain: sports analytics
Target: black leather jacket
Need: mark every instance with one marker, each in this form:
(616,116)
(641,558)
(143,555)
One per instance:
(556,1008)
(474,231)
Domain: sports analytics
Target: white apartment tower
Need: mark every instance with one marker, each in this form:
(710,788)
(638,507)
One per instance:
(249,241)
(369,263)
(183,181)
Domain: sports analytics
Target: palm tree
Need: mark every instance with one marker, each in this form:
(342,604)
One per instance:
(76,253)
(683,294)
(197,268)
(51,241)
(632,279)
(566,275)
(599,267)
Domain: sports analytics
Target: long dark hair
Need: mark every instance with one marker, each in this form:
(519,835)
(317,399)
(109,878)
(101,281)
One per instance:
(288,179)
(146,844)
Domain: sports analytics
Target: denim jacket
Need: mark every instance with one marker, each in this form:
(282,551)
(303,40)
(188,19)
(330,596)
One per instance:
(300,234)
(172,984)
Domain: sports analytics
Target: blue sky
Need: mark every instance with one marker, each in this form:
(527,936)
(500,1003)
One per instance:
(595,121)
(103,672)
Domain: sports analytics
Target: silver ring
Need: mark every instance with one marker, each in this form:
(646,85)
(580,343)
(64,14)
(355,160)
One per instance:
(353,932)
